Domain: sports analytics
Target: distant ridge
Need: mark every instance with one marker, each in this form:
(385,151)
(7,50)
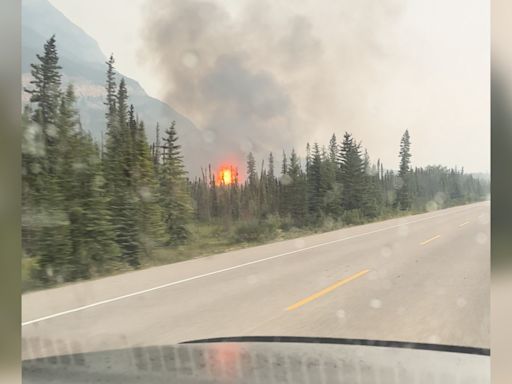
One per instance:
(83,64)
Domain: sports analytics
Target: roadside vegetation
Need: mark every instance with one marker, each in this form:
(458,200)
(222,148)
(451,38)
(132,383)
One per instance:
(94,209)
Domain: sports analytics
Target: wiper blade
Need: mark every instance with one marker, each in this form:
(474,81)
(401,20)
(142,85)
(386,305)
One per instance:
(343,341)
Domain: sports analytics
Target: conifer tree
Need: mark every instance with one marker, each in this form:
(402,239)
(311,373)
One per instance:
(403,193)
(333,148)
(251,197)
(176,204)
(272,190)
(150,214)
(351,173)
(252,176)
(308,158)
(46,84)
(284,165)
(271,166)
(316,184)
(52,236)
(296,191)
(111,88)
(118,170)
(283,186)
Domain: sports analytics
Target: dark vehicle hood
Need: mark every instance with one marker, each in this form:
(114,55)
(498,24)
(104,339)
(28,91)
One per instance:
(262,359)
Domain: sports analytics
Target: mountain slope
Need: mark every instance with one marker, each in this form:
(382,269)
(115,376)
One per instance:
(83,64)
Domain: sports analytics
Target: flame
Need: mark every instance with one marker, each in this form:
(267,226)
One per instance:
(226,175)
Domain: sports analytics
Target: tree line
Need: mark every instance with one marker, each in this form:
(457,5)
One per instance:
(335,182)
(91,208)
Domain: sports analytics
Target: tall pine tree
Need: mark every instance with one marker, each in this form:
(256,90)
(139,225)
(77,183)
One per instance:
(176,203)
(403,193)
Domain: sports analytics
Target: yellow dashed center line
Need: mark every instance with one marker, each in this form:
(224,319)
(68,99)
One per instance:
(325,291)
(463,224)
(429,240)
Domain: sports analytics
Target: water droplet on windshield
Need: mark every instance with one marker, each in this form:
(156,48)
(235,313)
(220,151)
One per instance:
(190,59)
(299,243)
(403,230)
(483,218)
(52,131)
(481,238)
(440,198)
(145,194)
(431,206)
(434,339)
(209,136)
(286,180)
(386,251)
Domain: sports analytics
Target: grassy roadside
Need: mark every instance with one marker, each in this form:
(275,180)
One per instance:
(217,237)
(211,239)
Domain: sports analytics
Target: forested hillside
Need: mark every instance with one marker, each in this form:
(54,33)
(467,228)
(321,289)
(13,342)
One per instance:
(93,208)
(82,63)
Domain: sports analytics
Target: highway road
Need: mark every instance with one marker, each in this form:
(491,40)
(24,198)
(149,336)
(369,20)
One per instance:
(422,278)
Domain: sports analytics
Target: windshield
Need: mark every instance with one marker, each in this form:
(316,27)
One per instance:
(212,169)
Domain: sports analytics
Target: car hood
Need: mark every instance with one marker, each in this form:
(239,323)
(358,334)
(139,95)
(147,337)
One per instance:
(263,359)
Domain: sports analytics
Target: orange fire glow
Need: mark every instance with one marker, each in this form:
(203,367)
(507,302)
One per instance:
(226,175)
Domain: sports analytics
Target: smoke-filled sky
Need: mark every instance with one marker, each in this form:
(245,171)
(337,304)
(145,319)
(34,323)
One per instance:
(265,75)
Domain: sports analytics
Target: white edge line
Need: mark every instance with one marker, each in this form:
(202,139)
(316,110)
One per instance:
(227,269)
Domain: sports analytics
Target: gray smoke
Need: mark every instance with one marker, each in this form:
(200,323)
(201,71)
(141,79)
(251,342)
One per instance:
(225,72)
(261,76)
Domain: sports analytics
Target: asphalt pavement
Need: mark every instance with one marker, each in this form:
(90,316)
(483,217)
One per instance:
(421,278)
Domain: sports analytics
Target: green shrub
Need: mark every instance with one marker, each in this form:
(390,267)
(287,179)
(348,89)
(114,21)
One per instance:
(328,224)
(352,217)
(256,230)
(29,274)
(286,223)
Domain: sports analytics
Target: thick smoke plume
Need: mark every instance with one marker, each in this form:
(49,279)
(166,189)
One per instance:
(261,76)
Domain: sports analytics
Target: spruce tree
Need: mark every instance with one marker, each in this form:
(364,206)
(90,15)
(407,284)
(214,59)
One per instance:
(176,203)
(284,182)
(251,197)
(308,158)
(270,171)
(52,235)
(403,193)
(284,165)
(316,185)
(156,152)
(331,178)
(333,148)
(46,84)
(92,234)
(351,173)
(118,165)
(296,191)
(150,214)
(111,88)
(370,194)
(252,176)
(272,185)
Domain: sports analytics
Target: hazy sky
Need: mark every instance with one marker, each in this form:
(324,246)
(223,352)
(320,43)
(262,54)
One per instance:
(272,74)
